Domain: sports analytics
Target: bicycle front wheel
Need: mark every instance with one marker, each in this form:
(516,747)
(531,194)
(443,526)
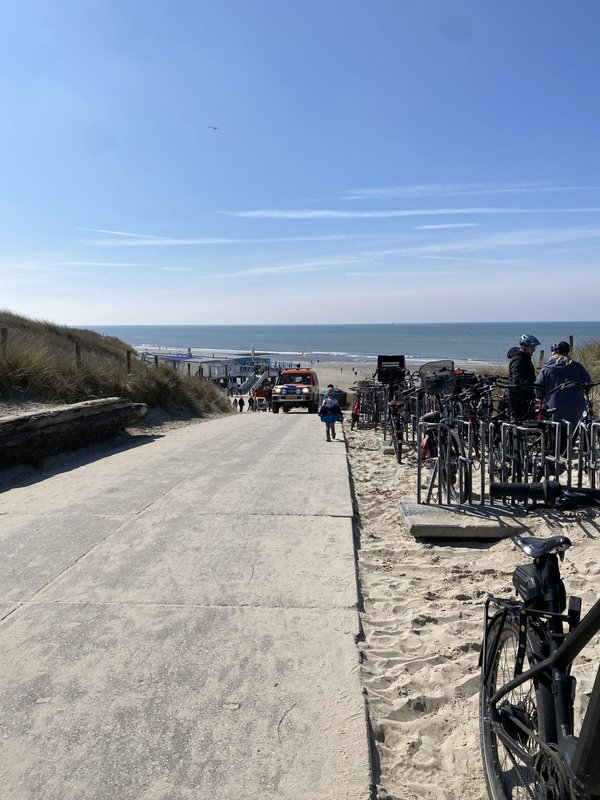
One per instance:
(508,731)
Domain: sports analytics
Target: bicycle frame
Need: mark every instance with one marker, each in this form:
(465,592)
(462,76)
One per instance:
(580,754)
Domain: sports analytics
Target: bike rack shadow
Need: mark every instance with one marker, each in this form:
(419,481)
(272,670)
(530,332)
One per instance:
(588,524)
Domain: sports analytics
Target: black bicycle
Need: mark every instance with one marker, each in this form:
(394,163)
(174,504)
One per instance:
(528,744)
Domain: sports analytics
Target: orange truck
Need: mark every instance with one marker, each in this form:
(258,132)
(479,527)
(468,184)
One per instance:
(296,388)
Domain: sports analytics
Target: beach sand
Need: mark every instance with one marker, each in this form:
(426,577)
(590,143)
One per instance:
(342,376)
(422,620)
(421,612)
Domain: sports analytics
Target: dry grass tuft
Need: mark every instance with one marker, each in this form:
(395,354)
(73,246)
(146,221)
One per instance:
(38,363)
(589,355)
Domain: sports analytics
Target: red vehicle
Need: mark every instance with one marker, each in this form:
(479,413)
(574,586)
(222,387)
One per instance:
(296,388)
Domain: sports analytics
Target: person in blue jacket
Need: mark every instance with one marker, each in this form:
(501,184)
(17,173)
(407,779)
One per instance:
(330,413)
(559,370)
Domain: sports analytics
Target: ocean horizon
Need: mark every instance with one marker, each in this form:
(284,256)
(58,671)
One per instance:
(477,342)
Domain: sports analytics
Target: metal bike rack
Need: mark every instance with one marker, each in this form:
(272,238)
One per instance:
(371,405)
(594,460)
(465,432)
(588,453)
(556,461)
(516,444)
(442,461)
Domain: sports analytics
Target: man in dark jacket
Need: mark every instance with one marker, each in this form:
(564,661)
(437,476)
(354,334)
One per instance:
(521,375)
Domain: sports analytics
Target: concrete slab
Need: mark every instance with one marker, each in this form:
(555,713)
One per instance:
(284,489)
(217,560)
(35,552)
(180,632)
(457,522)
(181,702)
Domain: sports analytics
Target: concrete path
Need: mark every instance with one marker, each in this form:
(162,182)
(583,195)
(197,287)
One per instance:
(179,620)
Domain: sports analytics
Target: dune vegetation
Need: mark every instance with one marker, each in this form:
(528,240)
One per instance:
(44,362)
(589,355)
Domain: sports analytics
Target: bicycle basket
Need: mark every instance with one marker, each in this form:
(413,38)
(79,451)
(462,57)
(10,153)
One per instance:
(437,377)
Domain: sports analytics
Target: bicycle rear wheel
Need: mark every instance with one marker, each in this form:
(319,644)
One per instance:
(509,774)
(455,475)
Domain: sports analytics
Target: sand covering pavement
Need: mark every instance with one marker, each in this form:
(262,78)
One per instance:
(423,606)
(179,619)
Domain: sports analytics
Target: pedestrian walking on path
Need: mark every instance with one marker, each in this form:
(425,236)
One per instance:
(330,413)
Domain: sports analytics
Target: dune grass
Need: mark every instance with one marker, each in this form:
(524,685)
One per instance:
(38,363)
(589,355)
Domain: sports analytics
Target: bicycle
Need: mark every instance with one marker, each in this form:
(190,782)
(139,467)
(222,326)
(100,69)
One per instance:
(528,744)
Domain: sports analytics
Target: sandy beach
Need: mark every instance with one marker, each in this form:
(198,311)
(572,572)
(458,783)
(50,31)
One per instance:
(344,375)
(421,611)
(422,620)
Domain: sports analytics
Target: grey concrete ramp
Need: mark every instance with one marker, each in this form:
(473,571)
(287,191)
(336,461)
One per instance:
(462,522)
(179,621)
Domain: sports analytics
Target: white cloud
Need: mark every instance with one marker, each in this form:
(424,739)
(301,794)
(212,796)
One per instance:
(143,240)
(103,264)
(295,267)
(447,190)
(444,225)
(307,213)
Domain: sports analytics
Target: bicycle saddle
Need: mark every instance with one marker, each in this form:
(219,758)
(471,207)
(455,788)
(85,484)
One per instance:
(535,547)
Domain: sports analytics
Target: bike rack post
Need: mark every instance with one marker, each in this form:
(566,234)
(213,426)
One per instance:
(490,445)
(594,459)
(419,462)
(516,444)
(561,432)
(482,444)
(465,430)
(424,428)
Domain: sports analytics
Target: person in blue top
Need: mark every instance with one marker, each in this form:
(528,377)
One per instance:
(561,371)
(330,413)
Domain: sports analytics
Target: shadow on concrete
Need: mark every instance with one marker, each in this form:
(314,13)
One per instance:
(28,474)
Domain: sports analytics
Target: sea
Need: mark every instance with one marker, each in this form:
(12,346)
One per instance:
(464,342)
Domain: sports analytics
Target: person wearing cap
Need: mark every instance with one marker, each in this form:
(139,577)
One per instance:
(561,371)
(521,374)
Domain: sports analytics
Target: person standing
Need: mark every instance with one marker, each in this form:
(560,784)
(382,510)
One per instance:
(561,371)
(330,413)
(521,375)
(241,404)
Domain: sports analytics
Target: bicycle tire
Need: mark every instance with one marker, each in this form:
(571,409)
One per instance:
(456,479)
(507,776)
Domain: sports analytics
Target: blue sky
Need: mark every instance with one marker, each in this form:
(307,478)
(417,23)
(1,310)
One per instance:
(372,161)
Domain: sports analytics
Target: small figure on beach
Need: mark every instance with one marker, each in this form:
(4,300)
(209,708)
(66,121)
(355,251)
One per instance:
(521,375)
(330,413)
(251,403)
(189,352)
(560,369)
(241,404)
